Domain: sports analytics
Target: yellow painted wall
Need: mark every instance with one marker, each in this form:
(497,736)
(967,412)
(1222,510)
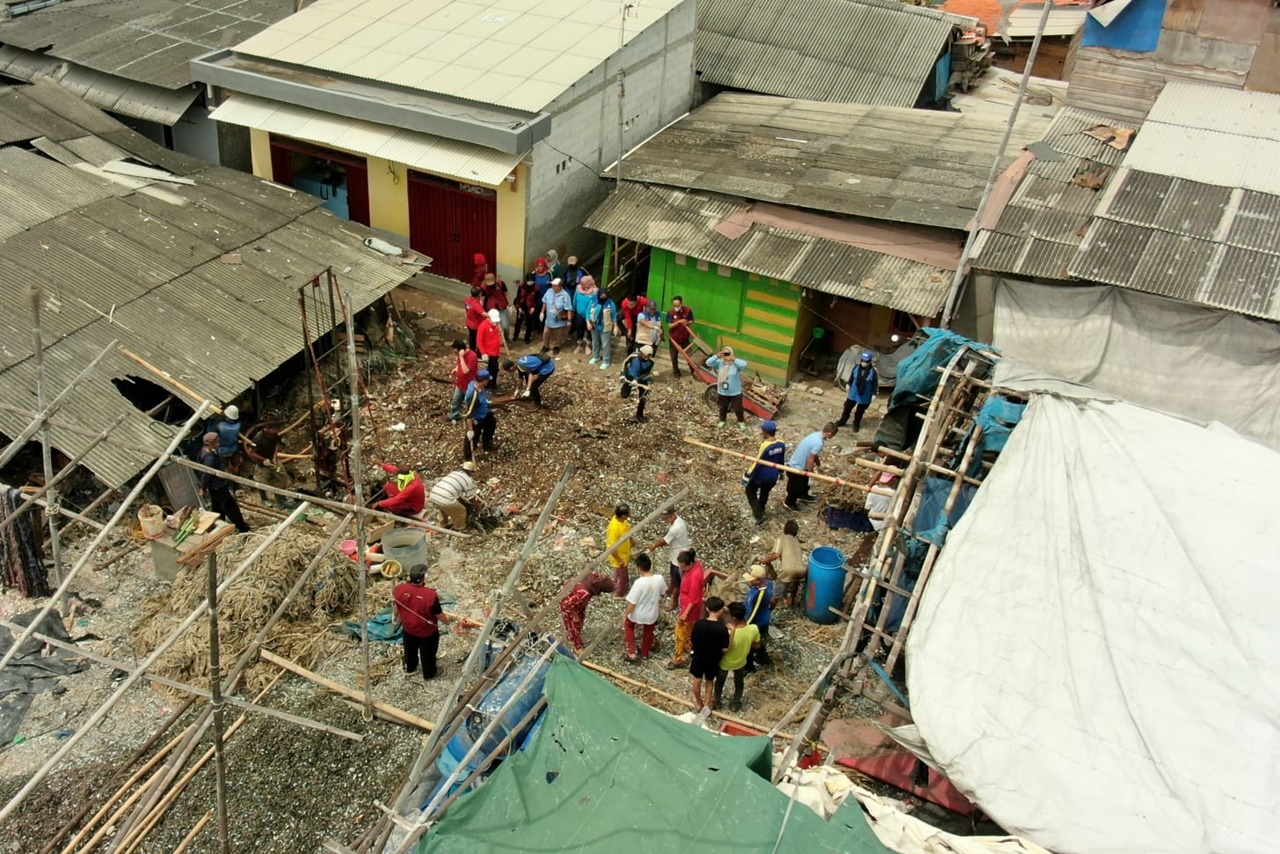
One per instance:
(388,196)
(260,151)
(511,223)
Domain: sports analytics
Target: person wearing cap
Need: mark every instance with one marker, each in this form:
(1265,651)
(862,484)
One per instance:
(790,568)
(454,495)
(759,605)
(474,307)
(557,314)
(573,607)
(481,422)
(677,540)
(728,368)
(648,325)
(743,638)
(532,370)
(637,373)
(406,495)
(216,488)
(489,345)
(420,614)
(465,367)
(602,322)
(805,458)
(585,296)
(878,505)
(863,386)
(759,480)
(679,331)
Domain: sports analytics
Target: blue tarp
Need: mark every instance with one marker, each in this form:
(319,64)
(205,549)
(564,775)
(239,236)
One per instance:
(1137,28)
(917,374)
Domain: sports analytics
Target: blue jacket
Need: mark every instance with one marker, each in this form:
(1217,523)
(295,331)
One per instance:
(535,364)
(638,368)
(596,315)
(772,451)
(863,385)
(765,615)
(475,404)
(733,382)
(228,437)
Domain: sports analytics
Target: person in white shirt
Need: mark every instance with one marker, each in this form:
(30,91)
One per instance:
(676,539)
(453,495)
(644,604)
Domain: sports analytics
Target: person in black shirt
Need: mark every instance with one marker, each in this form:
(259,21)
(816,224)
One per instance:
(221,501)
(710,640)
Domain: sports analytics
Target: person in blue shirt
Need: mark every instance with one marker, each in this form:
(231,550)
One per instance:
(601,321)
(805,458)
(759,604)
(760,479)
(637,373)
(863,386)
(557,314)
(228,428)
(531,372)
(481,422)
(728,368)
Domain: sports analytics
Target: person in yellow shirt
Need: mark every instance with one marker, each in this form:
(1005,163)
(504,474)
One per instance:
(743,637)
(620,560)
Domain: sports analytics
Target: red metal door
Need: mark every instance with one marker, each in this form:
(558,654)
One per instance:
(451,224)
(358,192)
(281,164)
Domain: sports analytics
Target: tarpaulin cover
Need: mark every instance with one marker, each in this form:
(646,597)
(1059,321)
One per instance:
(1137,28)
(918,375)
(1095,660)
(1200,362)
(607,773)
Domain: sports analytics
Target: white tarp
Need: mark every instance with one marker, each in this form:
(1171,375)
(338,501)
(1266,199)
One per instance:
(1199,362)
(1095,661)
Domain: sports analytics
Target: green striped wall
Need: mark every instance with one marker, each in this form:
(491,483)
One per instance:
(755,315)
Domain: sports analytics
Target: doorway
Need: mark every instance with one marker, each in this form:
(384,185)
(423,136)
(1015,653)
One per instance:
(338,178)
(451,222)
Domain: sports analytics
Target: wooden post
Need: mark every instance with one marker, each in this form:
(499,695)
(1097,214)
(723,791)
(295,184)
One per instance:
(357,496)
(215,688)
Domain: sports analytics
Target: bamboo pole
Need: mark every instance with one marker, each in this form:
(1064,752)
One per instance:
(386,708)
(357,496)
(128,681)
(193,833)
(174,384)
(838,481)
(97,541)
(216,704)
(41,417)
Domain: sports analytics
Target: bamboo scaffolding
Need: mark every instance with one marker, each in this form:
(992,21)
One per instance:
(217,705)
(812,475)
(356,465)
(399,715)
(128,681)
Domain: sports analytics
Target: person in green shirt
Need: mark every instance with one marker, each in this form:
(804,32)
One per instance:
(743,637)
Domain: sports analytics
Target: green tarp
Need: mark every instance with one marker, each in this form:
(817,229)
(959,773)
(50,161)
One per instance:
(606,773)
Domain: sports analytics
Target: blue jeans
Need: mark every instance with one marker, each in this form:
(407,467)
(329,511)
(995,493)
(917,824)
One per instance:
(455,405)
(602,345)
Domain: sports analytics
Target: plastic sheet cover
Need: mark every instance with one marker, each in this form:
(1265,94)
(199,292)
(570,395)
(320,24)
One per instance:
(1095,661)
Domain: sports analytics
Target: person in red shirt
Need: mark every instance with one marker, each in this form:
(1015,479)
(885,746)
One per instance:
(418,609)
(406,495)
(679,331)
(489,343)
(573,608)
(527,308)
(630,310)
(481,270)
(474,306)
(692,591)
(464,371)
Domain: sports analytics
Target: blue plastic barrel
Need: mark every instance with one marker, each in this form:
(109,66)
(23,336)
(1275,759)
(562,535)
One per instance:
(826,584)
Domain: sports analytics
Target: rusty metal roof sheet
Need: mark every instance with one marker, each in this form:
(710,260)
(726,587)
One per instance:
(922,167)
(144,268)
(685,222)
(857,51)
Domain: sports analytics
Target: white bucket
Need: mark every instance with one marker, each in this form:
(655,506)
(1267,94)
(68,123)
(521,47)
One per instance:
(152,519)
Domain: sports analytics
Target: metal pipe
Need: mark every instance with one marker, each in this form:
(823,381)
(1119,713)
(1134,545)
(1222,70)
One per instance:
(357,498)
(215,689)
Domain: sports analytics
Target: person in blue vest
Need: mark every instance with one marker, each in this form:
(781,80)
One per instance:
(728,368)
(584,297)
(759,605)
(601,322)
(228,428)
(863,386)
(531,372)
(637,373)
(760,479)
(481,422)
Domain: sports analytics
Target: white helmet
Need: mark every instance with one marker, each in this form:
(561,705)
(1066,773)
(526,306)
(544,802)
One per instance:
(232,412)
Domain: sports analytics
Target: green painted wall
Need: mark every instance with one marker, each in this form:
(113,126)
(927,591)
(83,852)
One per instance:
(754,315)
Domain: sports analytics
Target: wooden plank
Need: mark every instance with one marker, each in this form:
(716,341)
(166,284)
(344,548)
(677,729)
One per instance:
(399,715)
(771,316)
(779,300)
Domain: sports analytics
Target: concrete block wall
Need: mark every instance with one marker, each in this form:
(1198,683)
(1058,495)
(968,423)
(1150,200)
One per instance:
(565,186)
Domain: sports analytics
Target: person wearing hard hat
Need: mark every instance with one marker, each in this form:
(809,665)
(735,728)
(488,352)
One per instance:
(863,386)
(406,496)
(228,428)
(637,373)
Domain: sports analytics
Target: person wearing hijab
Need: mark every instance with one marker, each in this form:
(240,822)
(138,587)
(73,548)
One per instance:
(481,270)
(728,370)
(495,297)
(584,298)
(553,261)
(573,608)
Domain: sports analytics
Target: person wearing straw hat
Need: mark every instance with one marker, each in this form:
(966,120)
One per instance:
(420,614)
(759,605)
(215,488)
(759,480)
(728,368)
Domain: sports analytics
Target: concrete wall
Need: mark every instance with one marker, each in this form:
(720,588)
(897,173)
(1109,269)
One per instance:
(197,135)
(565,186)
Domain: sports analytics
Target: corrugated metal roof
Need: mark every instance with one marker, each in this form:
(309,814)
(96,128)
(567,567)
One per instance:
(1023,21)
(153,265)
(685,222)
(520,54)
(148,41)
(858,51)
(914,166)
(1047,216)
(464,161)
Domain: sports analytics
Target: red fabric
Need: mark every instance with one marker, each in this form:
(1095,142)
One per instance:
(405,502)
(475,312)
(527,296)
(489,338)
(481,270)
(495,295)
(630,310)
(465,368)
(646,638)
(573,608)
(692,587)
(680,334)
(418,608)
